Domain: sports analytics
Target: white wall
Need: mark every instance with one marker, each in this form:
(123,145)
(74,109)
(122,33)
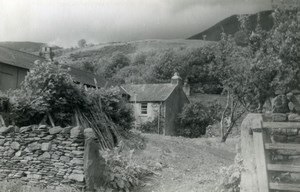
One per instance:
(152,112)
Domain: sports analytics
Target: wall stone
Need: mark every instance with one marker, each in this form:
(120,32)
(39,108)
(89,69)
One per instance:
(43,156)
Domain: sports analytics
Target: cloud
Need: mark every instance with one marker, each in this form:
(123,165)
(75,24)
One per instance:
(66,21)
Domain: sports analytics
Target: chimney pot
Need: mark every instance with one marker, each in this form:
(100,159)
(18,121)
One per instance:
(176,79)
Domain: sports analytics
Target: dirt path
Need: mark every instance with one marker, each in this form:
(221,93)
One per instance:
(185,165)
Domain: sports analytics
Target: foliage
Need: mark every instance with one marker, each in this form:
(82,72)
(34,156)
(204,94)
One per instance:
(195,117)
(81,43)
(124,173)
(117,62)
(193,64)
(231,176)
(152,126)
(269,62)
(47,89)
(89,66)
(114,106)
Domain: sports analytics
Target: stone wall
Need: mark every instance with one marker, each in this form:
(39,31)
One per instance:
(40,155)
(285,108)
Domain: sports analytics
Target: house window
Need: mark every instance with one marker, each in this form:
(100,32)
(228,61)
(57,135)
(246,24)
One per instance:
(144,108)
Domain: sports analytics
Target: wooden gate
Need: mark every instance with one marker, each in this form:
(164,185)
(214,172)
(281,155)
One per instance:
(263,144)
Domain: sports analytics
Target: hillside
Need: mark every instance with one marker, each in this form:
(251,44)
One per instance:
(231,25)
(128,48)
(26,46)
(133,62)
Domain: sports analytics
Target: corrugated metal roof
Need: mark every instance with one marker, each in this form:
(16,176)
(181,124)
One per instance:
(26,61)
(149,92)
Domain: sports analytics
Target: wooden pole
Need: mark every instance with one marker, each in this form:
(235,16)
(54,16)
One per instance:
(96,83)
(261,157)
(135,113)
(2,121)
(51,120)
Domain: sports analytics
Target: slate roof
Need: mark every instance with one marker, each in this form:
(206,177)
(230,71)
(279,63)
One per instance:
(149,92)
(26,61)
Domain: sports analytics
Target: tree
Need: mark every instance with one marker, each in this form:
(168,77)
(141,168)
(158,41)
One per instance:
(269,63)
(81,43)
(195,117)
(117,62)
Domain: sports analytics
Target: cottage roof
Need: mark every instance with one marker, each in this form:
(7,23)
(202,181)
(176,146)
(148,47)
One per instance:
(26,61)
(149,92)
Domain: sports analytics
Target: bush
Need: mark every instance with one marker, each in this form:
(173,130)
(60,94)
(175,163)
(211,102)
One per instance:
(152,126)
(124,173)
(47,89)
(195,117)
(114,106)
(231,176)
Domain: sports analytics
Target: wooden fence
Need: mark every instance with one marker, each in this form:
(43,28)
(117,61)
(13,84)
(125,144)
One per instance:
(257,146)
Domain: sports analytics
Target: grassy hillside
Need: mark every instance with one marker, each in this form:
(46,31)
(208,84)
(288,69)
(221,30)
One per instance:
(132,62)
(26,46)
(93,53)
(231,25)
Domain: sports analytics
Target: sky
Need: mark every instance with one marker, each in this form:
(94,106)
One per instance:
(64,22)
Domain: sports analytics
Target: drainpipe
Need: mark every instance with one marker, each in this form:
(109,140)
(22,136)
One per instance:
(158,119)
(135,113)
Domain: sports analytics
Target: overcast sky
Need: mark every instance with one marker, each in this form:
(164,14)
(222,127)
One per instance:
(64,22)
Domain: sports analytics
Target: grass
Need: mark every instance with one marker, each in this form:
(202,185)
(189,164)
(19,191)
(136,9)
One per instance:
(18,186)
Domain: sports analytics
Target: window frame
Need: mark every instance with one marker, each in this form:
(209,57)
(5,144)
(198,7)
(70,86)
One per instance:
(144,108)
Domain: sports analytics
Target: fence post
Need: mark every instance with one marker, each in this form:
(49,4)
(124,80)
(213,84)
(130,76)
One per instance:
(259,139)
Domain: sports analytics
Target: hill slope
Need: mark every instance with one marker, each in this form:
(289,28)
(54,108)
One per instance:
(127,48)
(26,46)
(231,25)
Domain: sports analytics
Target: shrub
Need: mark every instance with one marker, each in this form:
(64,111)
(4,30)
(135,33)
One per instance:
(152,126)
(231,176)
(118,61)
(47,89)
(115,107)
(195,117)
(124,173)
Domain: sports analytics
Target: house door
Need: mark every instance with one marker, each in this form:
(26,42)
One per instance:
(8,77)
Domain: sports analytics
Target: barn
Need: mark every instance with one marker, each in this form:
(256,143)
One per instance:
(14,66)
(162,101)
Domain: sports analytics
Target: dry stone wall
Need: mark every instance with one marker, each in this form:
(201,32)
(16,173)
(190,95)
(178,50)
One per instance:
(285,108)
(40,155)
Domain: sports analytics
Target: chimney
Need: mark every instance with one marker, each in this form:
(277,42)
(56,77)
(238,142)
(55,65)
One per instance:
(186,88)
(176,79)
(47,53)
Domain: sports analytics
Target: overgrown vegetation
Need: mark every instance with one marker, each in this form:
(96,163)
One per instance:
(48,90)
(268,62)
(49,94)
(195,118)
(231,176)
(154,126)
(124,173)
